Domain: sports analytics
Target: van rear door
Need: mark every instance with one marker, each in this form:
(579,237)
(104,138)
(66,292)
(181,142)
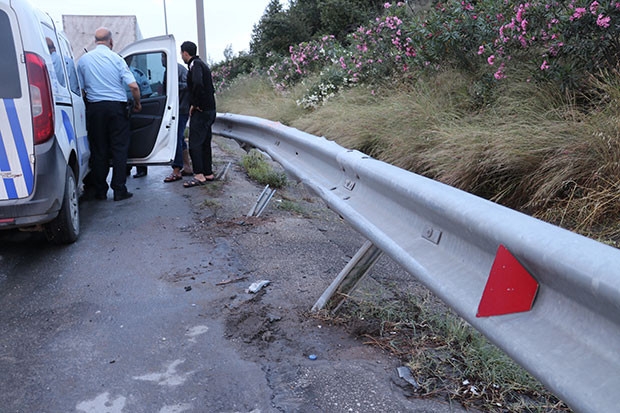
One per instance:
(154,128)
(16,124)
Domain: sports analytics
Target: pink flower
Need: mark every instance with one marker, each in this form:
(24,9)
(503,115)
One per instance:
(481,50)
(387,5)
(499,75)
(491,59)
(594,7)
(544,65)
(603,21)
(578,14)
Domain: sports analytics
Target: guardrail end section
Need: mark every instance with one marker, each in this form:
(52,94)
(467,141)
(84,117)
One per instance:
(510,288)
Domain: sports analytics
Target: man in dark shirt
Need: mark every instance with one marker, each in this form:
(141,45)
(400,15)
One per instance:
(202,114)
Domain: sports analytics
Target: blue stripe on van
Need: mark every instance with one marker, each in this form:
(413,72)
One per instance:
(20,144)
(66,121)
(9,185)
(68,127)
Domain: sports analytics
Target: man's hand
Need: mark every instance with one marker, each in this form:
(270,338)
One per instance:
(135,93)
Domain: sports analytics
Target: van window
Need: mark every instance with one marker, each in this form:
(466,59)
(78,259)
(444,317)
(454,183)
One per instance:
(9,70)
(67,56)
(58,65)
(149,69)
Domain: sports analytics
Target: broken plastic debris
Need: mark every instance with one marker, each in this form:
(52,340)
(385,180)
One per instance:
(405,374)
(257,286)
(312,356)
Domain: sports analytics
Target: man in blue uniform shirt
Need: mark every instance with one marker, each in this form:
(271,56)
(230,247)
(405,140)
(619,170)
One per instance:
(104,75)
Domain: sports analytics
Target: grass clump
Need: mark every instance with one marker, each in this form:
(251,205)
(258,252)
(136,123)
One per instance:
(447,356)
(286,205)
(261,171)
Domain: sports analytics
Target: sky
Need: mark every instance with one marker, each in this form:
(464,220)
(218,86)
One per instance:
(227,21)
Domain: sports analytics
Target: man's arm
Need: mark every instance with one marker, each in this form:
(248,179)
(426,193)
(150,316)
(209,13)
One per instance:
(197,88)
(182,78)
(135,93)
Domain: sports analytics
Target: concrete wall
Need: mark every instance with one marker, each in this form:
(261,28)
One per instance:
(80,29)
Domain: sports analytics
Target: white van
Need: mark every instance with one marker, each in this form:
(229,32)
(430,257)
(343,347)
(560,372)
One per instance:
(44,149)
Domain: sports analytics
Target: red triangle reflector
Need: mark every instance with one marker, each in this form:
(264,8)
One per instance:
(510,288)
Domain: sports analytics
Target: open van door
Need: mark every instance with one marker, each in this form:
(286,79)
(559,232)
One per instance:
(154,129)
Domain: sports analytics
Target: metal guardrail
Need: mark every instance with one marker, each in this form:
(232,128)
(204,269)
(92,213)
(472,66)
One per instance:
(448,239)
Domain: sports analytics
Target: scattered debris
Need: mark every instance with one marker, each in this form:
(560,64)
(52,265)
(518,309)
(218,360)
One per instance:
(221,175)
(188,288)
(405,374)
(273,318)
(262,202)
(257,286)
(234,280)
(312,356)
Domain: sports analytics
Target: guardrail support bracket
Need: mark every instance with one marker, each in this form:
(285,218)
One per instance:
(349,278)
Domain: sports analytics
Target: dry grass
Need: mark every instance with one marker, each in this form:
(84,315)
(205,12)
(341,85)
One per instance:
(532,148)
(255,96)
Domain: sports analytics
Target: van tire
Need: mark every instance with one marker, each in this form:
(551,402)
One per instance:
(65,228)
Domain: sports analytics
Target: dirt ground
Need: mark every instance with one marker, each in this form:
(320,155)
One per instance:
(298,246)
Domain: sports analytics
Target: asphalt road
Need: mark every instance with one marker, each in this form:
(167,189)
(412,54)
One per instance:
(149,311)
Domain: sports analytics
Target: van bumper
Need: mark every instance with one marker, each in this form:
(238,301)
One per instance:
(49,188)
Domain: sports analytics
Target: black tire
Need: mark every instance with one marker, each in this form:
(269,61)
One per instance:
(65,228)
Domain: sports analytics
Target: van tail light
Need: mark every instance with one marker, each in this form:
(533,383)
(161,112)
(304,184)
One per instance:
(40,98)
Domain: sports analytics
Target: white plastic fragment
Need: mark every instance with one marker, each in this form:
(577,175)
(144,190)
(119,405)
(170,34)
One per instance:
(257,286)
(405,374)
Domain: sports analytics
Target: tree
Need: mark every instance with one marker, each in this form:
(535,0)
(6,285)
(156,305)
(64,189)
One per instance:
(228,53)
(278,29)
(308,12)
(341,17)
(275,32)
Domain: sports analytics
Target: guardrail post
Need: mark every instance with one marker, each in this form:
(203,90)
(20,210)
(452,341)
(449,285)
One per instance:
(349,278)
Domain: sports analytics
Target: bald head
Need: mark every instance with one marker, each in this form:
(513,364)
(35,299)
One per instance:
(103,36)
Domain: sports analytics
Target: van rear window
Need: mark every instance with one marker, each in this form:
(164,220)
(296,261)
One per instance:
(9,71)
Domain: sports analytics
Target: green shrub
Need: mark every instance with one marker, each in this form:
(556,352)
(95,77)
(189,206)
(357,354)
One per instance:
(261,171)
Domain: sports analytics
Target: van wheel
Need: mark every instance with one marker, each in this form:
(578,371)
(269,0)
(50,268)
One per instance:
(65,228)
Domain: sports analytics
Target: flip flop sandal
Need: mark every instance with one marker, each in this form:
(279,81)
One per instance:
(193,182)
(172,178)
